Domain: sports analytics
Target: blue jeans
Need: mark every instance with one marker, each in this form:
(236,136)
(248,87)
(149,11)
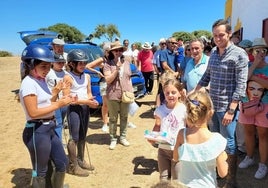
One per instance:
(227,132)
(60,115)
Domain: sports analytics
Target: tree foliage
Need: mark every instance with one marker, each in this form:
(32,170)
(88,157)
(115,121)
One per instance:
(200,33)
(5,54)
(187,36)
(69,33)
(109,31)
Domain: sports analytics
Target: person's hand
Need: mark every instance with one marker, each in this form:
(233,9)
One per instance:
(65,100)
(100,75)
(227,119)
(92,102)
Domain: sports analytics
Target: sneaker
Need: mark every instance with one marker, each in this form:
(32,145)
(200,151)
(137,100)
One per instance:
(131,125)
(246,162)
(261,172)
(124,142)
(105,128)
(112,145)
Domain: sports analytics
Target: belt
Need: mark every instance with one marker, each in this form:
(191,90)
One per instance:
(44,120)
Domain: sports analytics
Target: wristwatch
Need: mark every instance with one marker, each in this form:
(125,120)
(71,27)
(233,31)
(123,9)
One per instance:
(231,111)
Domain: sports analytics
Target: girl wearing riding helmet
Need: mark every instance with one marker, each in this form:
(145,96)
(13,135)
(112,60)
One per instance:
(78,112)
(37,101)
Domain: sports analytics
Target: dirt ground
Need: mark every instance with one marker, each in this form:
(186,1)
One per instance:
(124,167)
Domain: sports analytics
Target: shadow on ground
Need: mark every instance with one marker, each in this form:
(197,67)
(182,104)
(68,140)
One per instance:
(100,139)
(143,166)
(22,177)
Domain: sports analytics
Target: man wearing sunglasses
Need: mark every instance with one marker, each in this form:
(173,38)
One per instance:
(168,57)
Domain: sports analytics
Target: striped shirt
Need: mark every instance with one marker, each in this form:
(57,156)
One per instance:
(227,76)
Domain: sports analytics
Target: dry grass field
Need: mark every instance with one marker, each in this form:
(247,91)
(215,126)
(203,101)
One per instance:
(124,167)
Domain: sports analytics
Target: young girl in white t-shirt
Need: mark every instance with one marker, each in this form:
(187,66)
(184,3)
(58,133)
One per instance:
(169,119)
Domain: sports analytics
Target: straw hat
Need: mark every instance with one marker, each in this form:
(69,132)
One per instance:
(116,45)
(146,46)
(259,42)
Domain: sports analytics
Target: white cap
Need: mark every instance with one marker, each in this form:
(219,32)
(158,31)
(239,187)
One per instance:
(58,41)
(162,40)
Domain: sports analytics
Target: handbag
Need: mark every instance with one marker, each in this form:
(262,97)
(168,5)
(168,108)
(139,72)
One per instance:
(128,97)
(252,107)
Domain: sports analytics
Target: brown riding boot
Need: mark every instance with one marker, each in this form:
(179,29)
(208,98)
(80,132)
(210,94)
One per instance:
(231,176)
(80,156)
(74,168)
(38,182)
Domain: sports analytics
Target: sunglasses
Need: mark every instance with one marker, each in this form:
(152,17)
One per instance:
(118,50)
(173,43)
(188,49)
(264,51)
(163,43)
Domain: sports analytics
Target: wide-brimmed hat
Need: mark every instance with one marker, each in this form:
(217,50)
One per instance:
(259,42)
(117,45)
(245,43)
(58,41)
(146,46)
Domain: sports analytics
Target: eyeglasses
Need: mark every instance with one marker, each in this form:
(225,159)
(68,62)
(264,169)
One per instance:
(163,43)
(118,50)
(264,51)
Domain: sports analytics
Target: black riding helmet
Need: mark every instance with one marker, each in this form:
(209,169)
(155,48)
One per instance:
(77,55)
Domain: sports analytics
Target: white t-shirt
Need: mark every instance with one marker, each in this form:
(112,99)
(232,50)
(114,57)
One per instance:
(31,86)
(172,120)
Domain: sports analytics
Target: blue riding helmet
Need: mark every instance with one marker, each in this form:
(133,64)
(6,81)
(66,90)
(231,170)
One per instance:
(77,55)
(37,52)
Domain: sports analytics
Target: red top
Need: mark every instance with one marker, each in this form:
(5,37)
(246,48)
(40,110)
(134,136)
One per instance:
(146,59)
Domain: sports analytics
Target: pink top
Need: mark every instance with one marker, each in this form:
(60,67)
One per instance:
(114,91)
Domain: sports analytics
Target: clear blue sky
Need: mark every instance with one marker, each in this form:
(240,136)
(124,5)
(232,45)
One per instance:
(137,20)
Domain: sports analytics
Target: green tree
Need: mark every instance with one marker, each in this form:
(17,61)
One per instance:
(69,33)
(5,54)
(200,33)
(185,36)
(109,31)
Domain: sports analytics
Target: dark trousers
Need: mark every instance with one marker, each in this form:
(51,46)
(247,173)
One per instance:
(149,80)
(43,144)
(78,117)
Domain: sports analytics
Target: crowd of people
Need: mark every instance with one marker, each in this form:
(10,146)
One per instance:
(203,88)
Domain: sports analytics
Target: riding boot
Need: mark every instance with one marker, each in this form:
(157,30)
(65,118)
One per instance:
(58,179)
(81,152)
(74,168)
(231,176)
(49,174)
(39,182)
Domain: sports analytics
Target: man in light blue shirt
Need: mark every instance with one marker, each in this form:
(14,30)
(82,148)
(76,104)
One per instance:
(195,67)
